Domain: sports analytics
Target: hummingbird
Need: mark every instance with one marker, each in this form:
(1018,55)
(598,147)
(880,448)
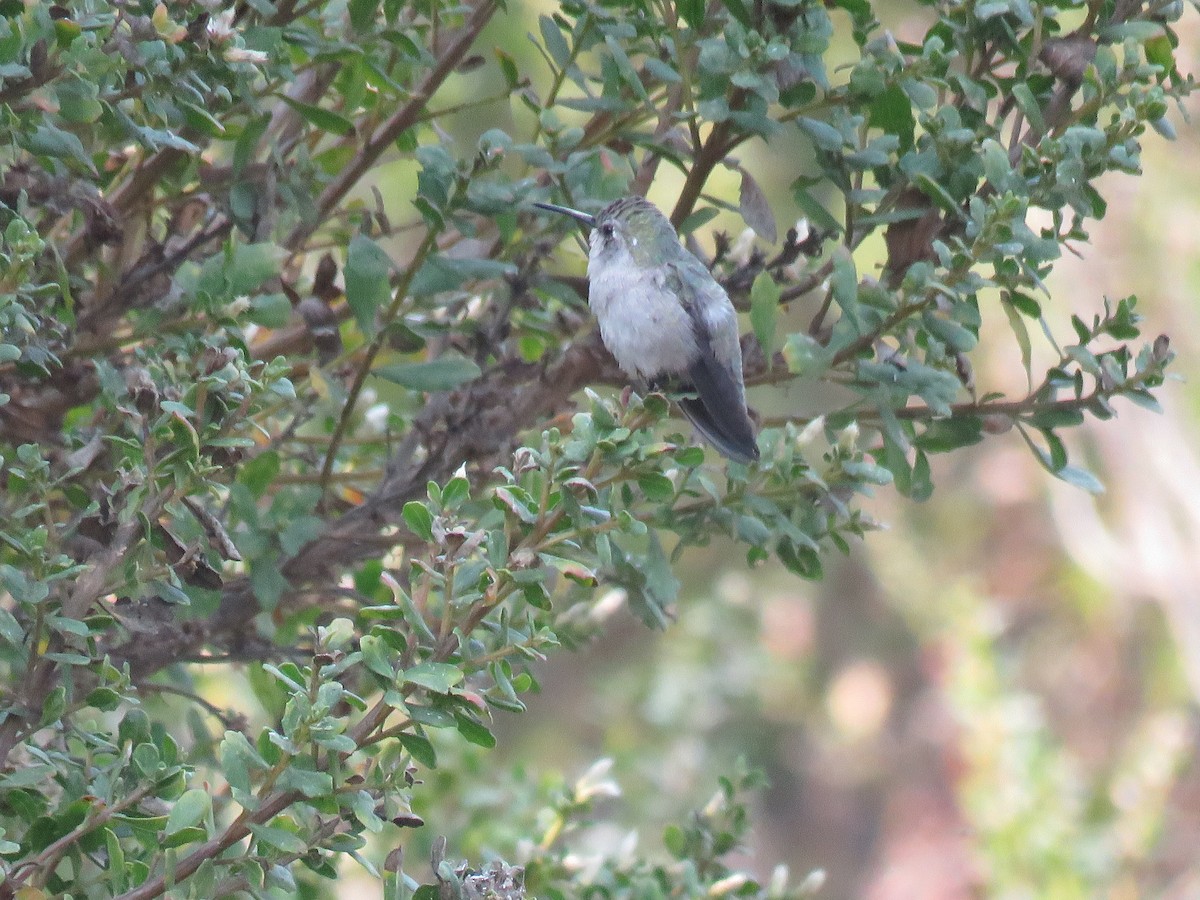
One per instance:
(666,320)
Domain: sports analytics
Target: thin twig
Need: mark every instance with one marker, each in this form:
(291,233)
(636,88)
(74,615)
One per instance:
(99,816)
(396,124)
(368,358)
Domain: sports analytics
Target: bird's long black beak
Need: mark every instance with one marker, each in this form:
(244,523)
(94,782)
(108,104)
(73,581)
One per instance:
(589,221)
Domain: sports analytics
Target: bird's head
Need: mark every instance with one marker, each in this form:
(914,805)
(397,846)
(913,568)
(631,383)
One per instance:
(630,227)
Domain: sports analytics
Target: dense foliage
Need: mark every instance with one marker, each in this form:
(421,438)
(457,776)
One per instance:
(295,383)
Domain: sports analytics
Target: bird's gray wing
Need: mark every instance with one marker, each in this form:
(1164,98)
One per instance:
(719,410)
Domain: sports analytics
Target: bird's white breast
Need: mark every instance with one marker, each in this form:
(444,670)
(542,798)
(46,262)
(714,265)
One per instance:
(642,323)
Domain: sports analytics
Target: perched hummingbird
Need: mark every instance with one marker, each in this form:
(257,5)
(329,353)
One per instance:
(666,320)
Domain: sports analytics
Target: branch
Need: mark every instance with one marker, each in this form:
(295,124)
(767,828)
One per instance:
(399,122)
(1007,408)
(125,197)
(713,151)
(89,587)
(372,351)
(479,424)
(212,848)
(47,860)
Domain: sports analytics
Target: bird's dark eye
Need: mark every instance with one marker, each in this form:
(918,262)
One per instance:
(607,230)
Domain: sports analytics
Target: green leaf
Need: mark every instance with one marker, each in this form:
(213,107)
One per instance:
(419,749)
(190,835)
(1080,478)
(1029,105)
(376,655)
(474,731)
(54,706)
(656,486)
(247,143)
(518,502)
(436,677)
(270,310)
(804,355)
(1160,52)
(921,486)
(441,374)
(820,217)
(10,628)
(553,40)
(650,582)
(362,14)
(692,12)
(77,101)
(308,782)
(949,332)
(824,135)
(27,775)
(698,219)
(663,72)
(1057,458)
(1144,399)
(419,519)
(240,269)
(865,470)
(1027,305)
(943,435)
(737,9)
(753,530)
(892,112)
(996,167)
(363,807)
(279,838)
(259,473)
(202,120)
(147,758)
(628,73)
(801,560)
(367,276)
(843,284)
(508,67)
(442,273)
(324,119)
(236,746)
(103,698)
(54,142)
(456,491)
(192,808)
(675,841)
(1055,417)
(65,32)
(430,716)
(756,209)
(1138,30)
(435,177)
(933,189)
(1021,333)
(764,310)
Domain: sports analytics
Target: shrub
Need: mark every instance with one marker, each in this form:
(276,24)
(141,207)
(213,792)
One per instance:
(296,385)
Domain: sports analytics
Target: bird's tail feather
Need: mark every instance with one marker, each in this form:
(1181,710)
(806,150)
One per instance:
(739,447)
(719,412)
